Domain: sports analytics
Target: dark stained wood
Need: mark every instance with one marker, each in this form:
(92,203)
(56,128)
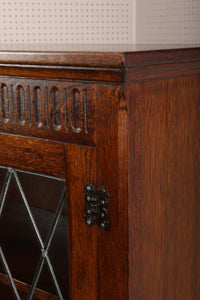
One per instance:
(73,59)
(48,109)
(84,74)
(99,56)
(23,288)
(135,145)
(138,136)
(81,169)
(164,181)
(112,173)
(94,66)
(162,71)
(32,154)
(151,57)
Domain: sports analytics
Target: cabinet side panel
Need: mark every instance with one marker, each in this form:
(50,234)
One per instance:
(165,153)
(112,173)
(81,169)
(134,190)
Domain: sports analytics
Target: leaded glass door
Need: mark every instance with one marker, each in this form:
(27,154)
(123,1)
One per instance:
(33,236)
(47,250)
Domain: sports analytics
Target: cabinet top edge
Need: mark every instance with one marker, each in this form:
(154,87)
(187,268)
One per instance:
(98,56)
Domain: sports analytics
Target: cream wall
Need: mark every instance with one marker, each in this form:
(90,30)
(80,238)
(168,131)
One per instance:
(99,21)
(133,20)
(67,21)
(168,21)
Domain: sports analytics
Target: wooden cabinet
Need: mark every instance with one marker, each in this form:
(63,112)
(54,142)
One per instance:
(126,121)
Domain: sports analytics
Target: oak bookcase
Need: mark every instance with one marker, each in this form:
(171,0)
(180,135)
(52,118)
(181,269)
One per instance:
(118,125)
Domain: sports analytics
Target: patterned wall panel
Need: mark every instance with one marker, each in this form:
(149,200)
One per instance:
(66,21)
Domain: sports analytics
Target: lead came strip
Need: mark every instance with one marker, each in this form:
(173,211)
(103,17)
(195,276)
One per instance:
(9,275)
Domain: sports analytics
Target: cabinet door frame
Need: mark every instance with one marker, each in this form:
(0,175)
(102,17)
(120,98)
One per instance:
(83,268)
(77,165)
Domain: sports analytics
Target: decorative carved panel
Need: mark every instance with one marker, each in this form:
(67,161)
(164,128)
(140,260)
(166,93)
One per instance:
(4,103)
(63,111)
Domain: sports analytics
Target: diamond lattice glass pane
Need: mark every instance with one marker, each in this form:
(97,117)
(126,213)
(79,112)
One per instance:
(19,241)
(34,217)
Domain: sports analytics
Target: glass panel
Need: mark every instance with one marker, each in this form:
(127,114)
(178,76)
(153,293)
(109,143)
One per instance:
(33,204)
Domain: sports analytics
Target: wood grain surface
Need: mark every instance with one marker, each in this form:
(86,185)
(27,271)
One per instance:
(32,154)
(67,73)
(139,137)
(112,173)
(162,71)
(99,56)
(23,289)
(61,58)
(83,272)
(49,109)
(164,183)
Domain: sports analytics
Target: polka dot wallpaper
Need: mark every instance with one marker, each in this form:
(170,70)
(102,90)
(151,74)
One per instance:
(168,21)
(62,21)
(99,21)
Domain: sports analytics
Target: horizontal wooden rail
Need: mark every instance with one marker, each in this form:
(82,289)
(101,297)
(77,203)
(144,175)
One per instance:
(32,154)
(24,288)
